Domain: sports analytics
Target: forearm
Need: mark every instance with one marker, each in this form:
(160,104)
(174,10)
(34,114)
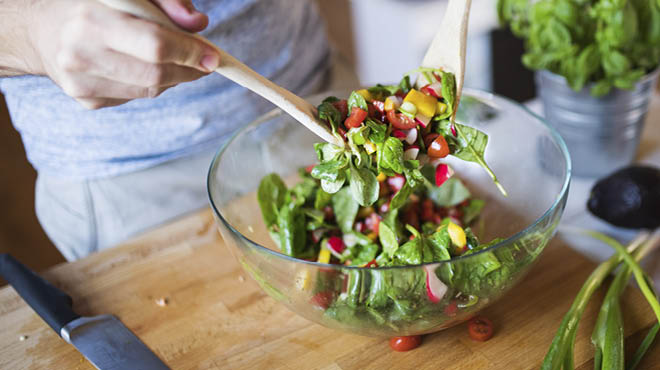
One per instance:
(17,56)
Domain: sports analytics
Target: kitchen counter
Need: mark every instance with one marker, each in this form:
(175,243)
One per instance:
(182,292)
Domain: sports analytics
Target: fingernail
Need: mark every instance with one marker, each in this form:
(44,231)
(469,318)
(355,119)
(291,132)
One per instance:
(210,62)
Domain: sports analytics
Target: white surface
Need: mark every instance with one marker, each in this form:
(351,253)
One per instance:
(576,213)
(391,37)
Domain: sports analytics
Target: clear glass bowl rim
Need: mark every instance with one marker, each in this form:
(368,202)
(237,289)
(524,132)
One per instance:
(484,95)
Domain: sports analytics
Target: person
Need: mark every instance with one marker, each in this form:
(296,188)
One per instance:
(121,117)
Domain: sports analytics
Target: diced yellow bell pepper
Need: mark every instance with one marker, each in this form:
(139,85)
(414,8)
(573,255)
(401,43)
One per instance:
(381,177)
(441,108)
(456,234)
(390,104)
(365,94)
(370,147)
(425,104)
(303,280)
(324,256)
(373,236)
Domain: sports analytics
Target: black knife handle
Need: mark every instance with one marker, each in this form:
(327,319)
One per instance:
(52,304)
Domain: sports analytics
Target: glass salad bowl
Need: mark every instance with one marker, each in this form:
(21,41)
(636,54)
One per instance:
(529,158)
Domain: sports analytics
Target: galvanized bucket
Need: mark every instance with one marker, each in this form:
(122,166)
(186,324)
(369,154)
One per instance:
(602,134)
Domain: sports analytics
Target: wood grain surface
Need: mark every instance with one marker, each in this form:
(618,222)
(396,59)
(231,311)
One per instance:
(216,317)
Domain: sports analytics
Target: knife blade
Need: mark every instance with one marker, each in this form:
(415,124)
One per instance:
(103,339)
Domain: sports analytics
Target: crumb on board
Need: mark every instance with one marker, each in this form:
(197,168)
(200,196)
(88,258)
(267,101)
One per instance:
(241,278)
(23,338)
(250,229)
(163,301)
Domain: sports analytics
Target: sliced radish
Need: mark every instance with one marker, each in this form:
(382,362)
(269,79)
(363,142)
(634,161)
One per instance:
(442,173)
(317,235)
(411,152)
(435,289)
(411,136)
(396,182)
(336,245)
(399,134)
(453,130)
(435,162)
(422,120)
(434,89)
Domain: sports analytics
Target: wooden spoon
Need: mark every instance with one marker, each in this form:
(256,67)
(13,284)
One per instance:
(233,69)
(447,50)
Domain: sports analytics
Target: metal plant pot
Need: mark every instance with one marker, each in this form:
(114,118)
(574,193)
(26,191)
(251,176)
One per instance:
(602,134)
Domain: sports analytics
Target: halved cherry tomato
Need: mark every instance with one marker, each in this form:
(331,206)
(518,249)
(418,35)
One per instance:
(342,107)
(371,263)
(480,328)
(438,148)
(402,344)
(355,119)
(400,121)
(322,299)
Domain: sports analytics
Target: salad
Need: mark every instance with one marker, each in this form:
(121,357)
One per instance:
(388,199)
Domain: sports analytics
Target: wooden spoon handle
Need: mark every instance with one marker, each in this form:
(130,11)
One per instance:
(233,69)
(447,50)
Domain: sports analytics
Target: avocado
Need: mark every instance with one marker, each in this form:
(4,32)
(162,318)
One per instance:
(628,198)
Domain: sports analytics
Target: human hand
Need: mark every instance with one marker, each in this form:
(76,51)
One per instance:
(103,57)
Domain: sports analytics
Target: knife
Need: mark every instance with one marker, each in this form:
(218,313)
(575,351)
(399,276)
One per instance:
(103,339)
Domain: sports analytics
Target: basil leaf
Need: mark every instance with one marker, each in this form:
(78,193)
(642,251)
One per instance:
(393,155)
(345,209)
(270,195)
(357,100)
(387,239)
(451,193)
(364,186)
(293,235)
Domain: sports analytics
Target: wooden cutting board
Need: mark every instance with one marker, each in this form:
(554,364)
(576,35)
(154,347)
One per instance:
(216,317)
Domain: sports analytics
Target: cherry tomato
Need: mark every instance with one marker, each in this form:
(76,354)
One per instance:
(402,344)
(372,222)
(480,329)
(309,168)
(342,107)
(400,121)
(322,299)
(355,119)
(379,105)
(438,148)
(371,263)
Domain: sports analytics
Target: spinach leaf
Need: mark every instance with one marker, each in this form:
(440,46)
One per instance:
(332,187)
(451,193)
(401,196)
(404,84)
(364,185)
(270,195)
(449,91)
(377,290)
(330,170)
(363,254)
(357,100)
(345,209)
(292,232)
(472,210)
(409,253)
(388,239)
(322,199)
(303,192)
(413,175)
(378,131)
(327,112)
(327,151)
(393,155)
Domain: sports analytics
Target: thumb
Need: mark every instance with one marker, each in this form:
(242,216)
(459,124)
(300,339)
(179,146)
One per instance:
(184,14)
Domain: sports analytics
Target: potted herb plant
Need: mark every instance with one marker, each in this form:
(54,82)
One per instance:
(596,65)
